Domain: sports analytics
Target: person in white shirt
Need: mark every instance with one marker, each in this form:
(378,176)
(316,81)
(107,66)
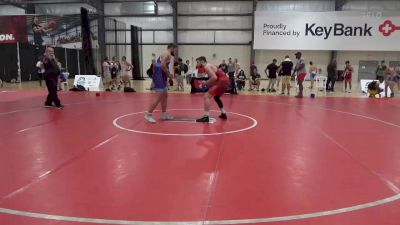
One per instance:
(313,74)
(40,70)
(126,72)
(60,77)
(106,73)
(115,68)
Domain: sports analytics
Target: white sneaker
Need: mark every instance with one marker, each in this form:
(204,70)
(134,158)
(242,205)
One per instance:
(150,118)
(166,116)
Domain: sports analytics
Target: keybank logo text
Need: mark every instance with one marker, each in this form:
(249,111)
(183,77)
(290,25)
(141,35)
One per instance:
(338,29)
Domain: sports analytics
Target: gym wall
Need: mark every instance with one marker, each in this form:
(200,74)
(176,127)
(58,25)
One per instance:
(11,10)
(215,34)
(241,52)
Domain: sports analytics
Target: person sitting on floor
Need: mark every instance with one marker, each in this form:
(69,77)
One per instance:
(374,89)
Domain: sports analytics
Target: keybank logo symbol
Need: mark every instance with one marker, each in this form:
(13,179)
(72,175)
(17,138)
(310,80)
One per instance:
(388,27)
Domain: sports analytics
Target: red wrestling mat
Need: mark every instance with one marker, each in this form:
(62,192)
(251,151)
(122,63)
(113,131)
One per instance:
(277,160)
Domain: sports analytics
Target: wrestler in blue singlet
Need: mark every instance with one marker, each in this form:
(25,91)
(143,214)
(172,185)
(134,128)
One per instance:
(160,78)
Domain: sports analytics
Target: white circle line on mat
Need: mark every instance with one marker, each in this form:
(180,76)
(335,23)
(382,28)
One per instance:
(115,123)
(209,222)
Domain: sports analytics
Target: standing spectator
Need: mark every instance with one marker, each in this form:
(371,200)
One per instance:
(380,71)
(279,78)
(236,63)
(240,78)
(390,80)
(180,71)
(223,66)
(51,74)
(286,72)
(126,68)
(106,73)
(184,69)
(189,73)
(332,76)
(60,76)
(397,77)
(301,73)
(313,74)
(270,71)
(40,70)
(115,68)
(232,74)
(231,68)
(348,74)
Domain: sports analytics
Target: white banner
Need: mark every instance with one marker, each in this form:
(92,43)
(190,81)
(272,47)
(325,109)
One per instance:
(341,30)
(90,82)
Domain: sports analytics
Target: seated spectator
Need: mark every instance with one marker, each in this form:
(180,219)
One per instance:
(255,80)
(240,78)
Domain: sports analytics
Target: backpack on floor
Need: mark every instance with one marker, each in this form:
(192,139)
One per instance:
(129,89)
(78,88)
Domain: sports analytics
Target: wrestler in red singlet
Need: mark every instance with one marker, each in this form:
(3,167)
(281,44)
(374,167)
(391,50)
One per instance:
(219,83)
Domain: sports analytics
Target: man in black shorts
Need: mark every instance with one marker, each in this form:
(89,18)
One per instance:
(286,71)
(270,71)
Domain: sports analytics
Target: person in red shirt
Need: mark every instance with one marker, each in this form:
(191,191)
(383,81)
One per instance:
(348,74)
(218,82)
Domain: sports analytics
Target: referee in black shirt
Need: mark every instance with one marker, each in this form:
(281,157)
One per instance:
(51,74)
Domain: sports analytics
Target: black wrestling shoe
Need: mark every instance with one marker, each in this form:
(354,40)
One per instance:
(223,116)
(205,119)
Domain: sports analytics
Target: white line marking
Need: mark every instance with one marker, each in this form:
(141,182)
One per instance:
(104,142)
(254,124)
(41,107)
(210,222)
(90,220)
